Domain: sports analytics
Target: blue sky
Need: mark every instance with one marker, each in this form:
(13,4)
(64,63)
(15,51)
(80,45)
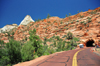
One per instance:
(14,11)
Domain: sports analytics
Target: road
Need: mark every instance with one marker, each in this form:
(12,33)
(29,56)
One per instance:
(77,57)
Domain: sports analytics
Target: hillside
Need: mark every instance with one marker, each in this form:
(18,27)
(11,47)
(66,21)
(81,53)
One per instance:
(84,25)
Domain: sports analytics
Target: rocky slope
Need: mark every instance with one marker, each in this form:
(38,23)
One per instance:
(85,25)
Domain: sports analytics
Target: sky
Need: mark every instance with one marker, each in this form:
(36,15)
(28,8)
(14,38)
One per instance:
(14,11)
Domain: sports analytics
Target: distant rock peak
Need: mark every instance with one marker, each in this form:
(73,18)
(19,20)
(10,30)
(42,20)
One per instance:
(26,20)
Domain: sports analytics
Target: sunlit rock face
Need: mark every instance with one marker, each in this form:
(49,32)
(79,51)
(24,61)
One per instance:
(26,20)
(8,28)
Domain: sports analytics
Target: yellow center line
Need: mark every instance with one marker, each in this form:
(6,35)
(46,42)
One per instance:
(75,58)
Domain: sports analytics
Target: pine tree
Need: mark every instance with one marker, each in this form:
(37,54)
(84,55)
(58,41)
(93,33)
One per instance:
(69,14)
(36,42)
(66,15)
(48,16)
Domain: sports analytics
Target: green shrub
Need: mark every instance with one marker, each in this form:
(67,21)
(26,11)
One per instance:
(59,46)
(4,60)
(93,12)
(54,43)
(89,21)
(84,23)
(80,28)
(71,22)
(45,52)
(69,35)
(13,33)
(61,22)
(13,49)
(76,39)
(68,46)
(63,45)
(51,50)
(45,40)
(67,28)
(27,51)
(81,16)
(64,36)
(57,37)
(77,20)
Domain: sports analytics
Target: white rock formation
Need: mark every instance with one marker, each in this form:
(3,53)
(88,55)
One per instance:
(26,20)
(8,28)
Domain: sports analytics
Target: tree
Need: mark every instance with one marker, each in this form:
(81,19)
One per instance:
(66,15)
(69,14)
(45,40)
(78,11)
(48,16)
(36,42)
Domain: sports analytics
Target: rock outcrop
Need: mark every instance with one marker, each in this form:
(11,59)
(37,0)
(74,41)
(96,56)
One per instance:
(8,28)
(26,20)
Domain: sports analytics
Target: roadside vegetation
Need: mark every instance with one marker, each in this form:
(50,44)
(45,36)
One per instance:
(15,52)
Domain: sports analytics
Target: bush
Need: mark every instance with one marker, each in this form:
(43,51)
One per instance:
(4,60)
(76,39)
(68,46)
(63,45)
(45,52)
(13,33)
(59,46)
(69,35)
(50,50)
(84,23)
(13,50)
(57,37)
(81,16)
(27,51)
(45,40)
(77,20)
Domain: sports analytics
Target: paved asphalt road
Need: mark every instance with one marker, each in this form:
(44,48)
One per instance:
(85,57)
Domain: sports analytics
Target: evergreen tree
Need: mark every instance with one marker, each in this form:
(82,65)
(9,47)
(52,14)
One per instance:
(36,42)
(48,16)
(69,14)
(66,15)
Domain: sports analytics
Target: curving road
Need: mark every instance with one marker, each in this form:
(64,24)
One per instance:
(83,58)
